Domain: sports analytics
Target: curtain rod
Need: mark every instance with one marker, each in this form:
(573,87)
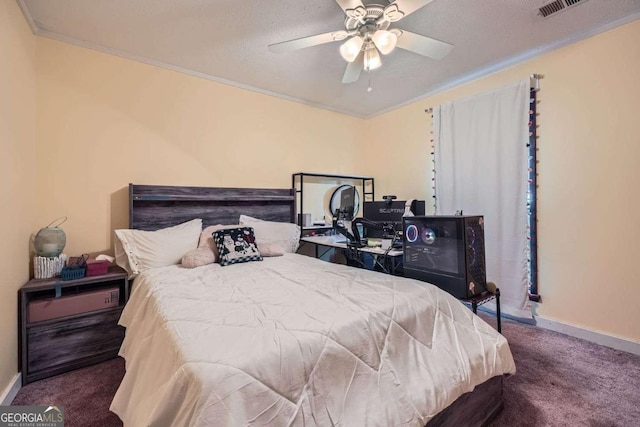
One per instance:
(534,83)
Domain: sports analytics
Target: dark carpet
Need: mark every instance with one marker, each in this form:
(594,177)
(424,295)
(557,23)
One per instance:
(85,394)
(561,381)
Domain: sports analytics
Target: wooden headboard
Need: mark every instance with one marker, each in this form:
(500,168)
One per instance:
(152,207)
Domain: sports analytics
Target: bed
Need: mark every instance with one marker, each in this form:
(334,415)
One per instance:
(292,340)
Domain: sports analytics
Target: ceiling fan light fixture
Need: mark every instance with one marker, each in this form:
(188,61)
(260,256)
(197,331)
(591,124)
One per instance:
(372,59)
(351,48)
(385,41)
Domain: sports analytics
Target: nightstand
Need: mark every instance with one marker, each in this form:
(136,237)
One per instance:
(68,324)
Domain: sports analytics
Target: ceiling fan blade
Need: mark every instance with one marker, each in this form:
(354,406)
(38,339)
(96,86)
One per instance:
(303,42)
(352,73)
(422,45)
(401,8)
(353,8)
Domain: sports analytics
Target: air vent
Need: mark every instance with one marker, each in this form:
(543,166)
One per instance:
(557,6)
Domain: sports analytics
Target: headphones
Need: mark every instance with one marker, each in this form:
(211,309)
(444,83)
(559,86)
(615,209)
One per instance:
(409,206)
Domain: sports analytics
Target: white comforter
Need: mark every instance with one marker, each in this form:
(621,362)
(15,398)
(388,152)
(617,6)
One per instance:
(294,341)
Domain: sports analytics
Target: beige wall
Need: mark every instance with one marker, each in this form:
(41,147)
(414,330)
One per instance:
(589,172)
(18,169)
(105,121)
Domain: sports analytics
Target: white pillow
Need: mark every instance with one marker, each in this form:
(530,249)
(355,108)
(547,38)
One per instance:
(286,234)
(138,250)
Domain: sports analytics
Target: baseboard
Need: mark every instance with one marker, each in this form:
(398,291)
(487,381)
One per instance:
(489,308)
(589,335)
(9,393)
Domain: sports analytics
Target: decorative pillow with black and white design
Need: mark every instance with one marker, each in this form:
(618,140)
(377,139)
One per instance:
(236,245)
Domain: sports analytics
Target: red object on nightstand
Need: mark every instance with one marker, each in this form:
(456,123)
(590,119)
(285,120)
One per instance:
(97,268)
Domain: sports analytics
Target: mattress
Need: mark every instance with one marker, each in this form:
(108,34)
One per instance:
(295,341)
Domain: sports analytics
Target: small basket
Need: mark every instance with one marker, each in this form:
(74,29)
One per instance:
(72,273)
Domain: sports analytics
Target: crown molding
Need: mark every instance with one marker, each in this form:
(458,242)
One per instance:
(449,84)
(28,17)
(512,61)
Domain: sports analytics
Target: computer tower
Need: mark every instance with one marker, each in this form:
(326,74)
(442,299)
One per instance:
(447,251)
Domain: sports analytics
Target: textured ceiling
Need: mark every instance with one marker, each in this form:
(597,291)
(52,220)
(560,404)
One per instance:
(226,40)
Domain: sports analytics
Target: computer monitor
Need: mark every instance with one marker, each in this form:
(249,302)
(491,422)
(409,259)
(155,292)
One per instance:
(389,213)
(347,203)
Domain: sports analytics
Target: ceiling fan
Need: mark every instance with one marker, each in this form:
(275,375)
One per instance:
(368,34)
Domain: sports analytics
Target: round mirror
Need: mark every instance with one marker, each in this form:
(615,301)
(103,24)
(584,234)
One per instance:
(334,201)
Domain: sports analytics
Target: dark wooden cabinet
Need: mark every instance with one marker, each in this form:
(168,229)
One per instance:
(63,343)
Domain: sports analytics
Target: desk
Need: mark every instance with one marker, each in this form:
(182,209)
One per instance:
(387,260)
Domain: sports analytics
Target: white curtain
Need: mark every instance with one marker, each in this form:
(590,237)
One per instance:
(481,161)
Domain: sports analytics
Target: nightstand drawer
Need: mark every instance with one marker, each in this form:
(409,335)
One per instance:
(60,345)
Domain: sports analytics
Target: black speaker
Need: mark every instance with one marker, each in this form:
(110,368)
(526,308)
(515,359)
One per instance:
(447,251)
